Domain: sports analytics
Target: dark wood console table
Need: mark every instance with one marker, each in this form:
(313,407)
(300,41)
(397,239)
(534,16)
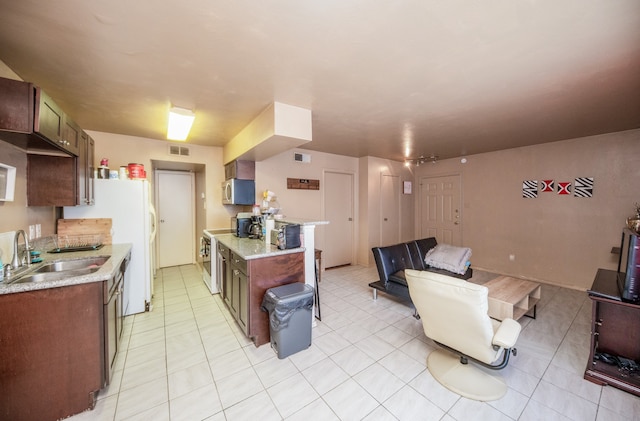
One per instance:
(615,330)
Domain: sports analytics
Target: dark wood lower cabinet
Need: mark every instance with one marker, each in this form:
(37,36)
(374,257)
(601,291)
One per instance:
(245,282)
(58,347)
(265,273)
(113,320)
(51,352)
(615,332)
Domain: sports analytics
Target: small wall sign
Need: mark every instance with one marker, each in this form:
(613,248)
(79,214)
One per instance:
(303,184)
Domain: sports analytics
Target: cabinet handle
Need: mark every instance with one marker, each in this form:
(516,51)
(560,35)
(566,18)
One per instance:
(236,260)
(598,323)
(236,272)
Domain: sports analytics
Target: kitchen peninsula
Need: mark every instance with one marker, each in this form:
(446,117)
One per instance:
(248,267)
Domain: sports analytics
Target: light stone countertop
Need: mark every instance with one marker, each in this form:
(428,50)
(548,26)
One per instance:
(302,221)
(249,248)
(117,253)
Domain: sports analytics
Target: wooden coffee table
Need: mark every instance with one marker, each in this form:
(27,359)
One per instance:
(512,297)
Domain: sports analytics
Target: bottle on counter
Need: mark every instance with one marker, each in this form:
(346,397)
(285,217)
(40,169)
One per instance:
(269,224)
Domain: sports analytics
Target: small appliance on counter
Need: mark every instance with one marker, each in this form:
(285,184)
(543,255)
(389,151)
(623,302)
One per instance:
(285,236)
(255,229)
(240,224)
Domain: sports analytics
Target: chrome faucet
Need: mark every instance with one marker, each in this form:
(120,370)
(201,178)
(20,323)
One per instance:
(16,262)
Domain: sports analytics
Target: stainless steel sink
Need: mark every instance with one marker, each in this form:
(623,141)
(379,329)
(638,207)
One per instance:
(68,265)
(57,271)
(53,276)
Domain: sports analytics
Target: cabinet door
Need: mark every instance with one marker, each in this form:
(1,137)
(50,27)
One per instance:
(224,272)
(113,327)
(84,169)
(51,180)
(243,302)
(81,170)
(616,325)
(71,135)
(90,167)
(243,170)
(49,118)
(235,292)
(16,106)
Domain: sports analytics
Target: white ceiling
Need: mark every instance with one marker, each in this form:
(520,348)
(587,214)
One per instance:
(451,78)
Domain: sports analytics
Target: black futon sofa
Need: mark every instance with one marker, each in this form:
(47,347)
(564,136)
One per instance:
(391,261)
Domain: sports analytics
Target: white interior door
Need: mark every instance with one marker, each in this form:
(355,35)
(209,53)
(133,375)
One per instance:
(176,218)
(338,210)
(389,209)
(440,214)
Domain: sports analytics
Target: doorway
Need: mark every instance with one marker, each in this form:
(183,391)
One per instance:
(338,210)
(389,209)
(440,213)
(175,200)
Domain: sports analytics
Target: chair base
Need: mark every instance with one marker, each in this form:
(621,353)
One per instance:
(465,379)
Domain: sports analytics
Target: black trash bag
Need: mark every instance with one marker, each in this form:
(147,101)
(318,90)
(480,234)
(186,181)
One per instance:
(281,309)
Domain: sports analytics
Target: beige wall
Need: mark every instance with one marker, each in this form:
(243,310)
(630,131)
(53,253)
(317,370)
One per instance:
(16,215)
(272,174)
(556,239)
(122,150)
(370,216)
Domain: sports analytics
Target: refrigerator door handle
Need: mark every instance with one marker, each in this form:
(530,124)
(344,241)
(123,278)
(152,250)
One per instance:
(154,222)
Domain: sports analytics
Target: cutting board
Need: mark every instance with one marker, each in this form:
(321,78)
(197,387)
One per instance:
(6,245)
(86,226)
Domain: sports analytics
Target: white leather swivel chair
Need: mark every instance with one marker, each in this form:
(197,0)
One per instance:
(454,315)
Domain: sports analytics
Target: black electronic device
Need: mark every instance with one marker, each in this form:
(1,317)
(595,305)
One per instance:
(629,267)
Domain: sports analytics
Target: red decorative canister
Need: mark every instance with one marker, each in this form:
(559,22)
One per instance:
(136,171)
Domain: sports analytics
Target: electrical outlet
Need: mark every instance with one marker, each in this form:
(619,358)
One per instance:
(32,232)
(38,230)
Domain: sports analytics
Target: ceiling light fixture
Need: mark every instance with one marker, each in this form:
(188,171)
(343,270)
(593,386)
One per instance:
(421,160)
(180,121)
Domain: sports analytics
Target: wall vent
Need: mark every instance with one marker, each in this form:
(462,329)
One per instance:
(178,150)
(302,157)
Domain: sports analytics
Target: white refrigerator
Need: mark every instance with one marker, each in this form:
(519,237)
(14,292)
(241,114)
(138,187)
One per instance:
(128,204)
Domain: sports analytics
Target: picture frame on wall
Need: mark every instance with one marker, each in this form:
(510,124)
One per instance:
(406,187)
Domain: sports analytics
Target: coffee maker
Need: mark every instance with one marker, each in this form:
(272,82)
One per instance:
(255,229)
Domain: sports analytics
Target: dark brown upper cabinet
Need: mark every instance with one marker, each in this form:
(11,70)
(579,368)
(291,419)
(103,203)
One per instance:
(31,120)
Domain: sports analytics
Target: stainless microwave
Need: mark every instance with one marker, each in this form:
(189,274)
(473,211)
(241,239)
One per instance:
(238,192)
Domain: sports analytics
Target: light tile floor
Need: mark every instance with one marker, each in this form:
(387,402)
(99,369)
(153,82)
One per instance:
(188,360)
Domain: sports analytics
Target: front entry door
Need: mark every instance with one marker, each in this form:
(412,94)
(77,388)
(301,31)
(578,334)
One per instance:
(440,213)
(176,218)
